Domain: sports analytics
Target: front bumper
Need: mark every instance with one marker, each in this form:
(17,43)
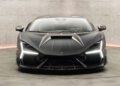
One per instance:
(62,63)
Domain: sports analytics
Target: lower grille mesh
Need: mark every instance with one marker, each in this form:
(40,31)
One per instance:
(62,63)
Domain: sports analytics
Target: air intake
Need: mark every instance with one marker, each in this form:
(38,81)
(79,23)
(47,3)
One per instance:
(61,37)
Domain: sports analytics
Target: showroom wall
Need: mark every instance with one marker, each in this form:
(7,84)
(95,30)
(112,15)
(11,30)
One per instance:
(20,12)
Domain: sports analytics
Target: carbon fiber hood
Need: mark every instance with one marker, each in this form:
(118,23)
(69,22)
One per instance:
(61,43)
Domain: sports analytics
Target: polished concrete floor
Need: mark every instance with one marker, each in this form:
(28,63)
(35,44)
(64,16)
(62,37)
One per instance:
(10,76)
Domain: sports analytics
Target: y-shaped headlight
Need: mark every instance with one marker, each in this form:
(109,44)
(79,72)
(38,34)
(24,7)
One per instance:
(98,49)
(26,50)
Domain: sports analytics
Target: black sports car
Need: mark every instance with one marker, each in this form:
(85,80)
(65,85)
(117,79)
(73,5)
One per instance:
(61,43)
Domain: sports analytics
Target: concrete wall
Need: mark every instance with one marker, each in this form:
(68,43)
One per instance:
(20,12)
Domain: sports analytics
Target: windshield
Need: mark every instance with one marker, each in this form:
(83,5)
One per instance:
(60,24)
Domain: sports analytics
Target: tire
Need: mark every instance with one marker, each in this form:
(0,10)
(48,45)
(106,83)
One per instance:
(18,64)
(105,60)
(18,61)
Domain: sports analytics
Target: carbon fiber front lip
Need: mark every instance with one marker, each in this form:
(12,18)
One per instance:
(62,68)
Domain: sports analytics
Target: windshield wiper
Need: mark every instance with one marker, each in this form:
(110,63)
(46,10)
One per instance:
(60,31)
(38,31)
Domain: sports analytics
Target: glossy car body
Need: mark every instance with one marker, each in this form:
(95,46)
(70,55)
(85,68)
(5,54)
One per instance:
(61,43)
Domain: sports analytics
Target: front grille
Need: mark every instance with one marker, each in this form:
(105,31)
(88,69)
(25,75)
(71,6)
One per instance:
(62,62)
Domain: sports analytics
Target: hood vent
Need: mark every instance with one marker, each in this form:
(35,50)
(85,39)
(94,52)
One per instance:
(61,37)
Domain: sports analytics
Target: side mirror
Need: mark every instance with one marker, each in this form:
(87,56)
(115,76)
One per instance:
(102,27)
(19,28)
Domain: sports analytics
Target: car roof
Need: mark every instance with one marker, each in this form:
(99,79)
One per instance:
(68,17)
